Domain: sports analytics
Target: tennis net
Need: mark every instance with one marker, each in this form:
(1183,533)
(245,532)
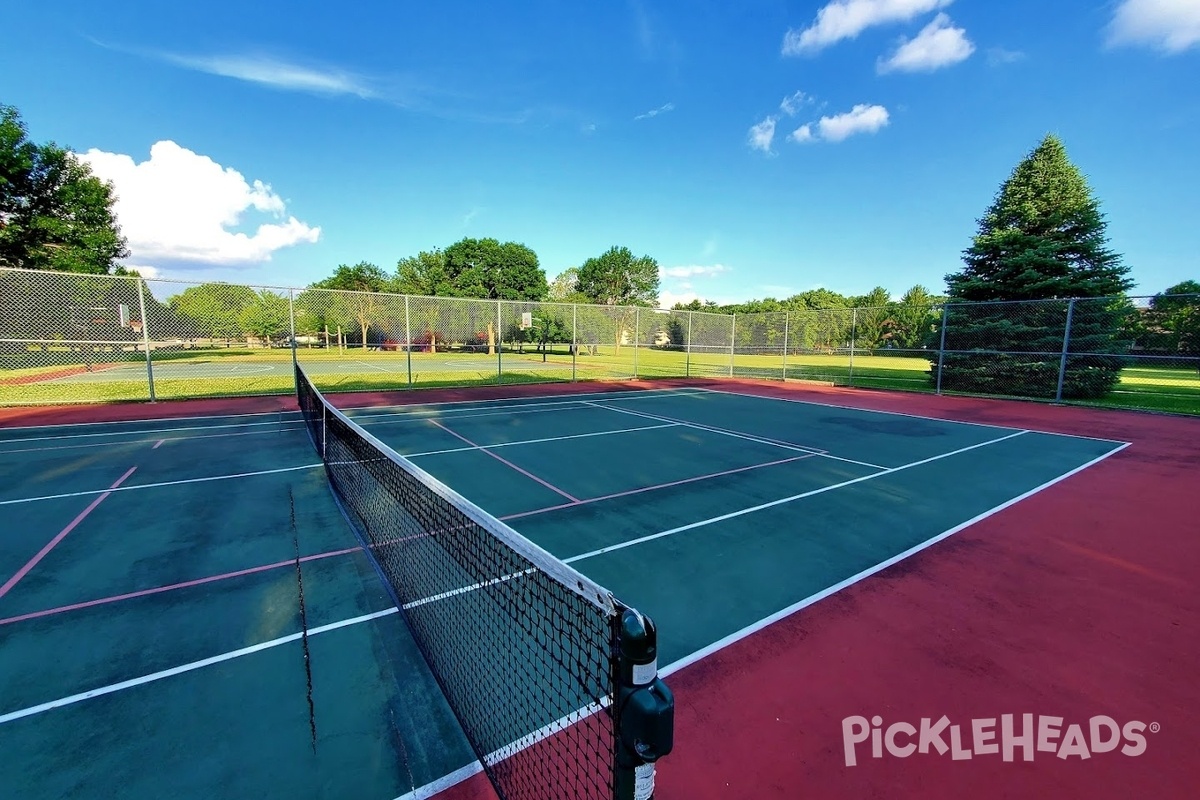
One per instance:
(527,650)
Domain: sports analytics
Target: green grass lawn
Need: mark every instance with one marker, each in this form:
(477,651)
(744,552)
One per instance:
(352,369)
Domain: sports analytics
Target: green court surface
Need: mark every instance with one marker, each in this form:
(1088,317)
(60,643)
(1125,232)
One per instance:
(153,608)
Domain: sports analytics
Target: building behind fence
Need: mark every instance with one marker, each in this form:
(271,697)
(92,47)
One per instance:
(66,337)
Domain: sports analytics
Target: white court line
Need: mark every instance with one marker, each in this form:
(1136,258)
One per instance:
(159,485)
(720,644)
(148,430)
(750,437)
(194,665)
(421,411)
(282,425)
(140,421)
(902,414)
(381,369)
(538,441)
(463,773)
(720,518)
(773,503)
(434,788)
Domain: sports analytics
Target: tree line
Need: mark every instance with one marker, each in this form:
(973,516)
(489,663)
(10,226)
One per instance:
(1043,238)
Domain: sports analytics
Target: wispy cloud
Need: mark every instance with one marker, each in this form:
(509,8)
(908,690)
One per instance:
(693,271)
(862,118)
(792,104)
(277,74)
(998,56)
(654,112)
(761,135)
(470,216)
(846,19)
(939,44)
(710,247)
(1170,26)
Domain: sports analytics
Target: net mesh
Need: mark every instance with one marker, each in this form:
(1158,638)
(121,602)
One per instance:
(522,645)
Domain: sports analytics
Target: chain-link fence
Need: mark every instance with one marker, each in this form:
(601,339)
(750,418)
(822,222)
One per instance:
(85,338)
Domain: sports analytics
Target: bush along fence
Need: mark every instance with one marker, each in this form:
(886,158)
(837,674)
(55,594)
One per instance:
(67,337)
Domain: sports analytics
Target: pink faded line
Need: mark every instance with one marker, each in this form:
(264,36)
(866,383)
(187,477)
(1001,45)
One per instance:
(656,486)
(23,571)
(506,462)
(171,587)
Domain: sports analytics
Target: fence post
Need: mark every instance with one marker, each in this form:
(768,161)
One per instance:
(408,339)
(499,344)
(637,335)
(687,369)
(292,322)
(732,339)
(146,337)
(853,336)
(1062,363)
(786,319)
(942,346)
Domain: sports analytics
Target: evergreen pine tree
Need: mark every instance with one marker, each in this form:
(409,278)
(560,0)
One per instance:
(1043,240)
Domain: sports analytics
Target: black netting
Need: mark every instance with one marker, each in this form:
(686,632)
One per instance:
(522,645)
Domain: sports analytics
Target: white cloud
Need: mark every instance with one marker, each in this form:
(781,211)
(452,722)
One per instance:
(845,19)
(146,271)
(654,112)
(998,56)
(276,74)
(179,206)
(668,298)
(692,271)
(860,119)
(762,134)
(710,247)
(802,135)
(1171,26)
(792,104)
(939,44)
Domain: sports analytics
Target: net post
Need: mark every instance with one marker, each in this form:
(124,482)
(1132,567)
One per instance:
(637,335)
(732,339)
(853,336)
(408,339)
(786,319)
(499,344)
(942,346)
(1062,363)
(644,708)
(574,339)
(141,283)
(324,428)
(687,370)
(292,322)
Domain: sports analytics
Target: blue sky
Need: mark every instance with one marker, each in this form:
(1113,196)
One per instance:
(269,142)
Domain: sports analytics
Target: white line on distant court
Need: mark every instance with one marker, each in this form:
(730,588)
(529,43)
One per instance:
(159,485)
(497,407)
(901,414)
(538,441)
(781,501)
(194,665)
(149,430)
(282,426)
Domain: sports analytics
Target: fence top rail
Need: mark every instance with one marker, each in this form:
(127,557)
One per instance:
(1138,301)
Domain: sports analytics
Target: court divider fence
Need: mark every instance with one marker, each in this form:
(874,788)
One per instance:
(67,338)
